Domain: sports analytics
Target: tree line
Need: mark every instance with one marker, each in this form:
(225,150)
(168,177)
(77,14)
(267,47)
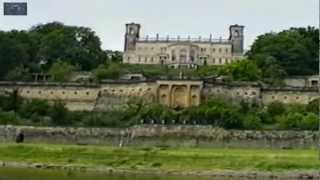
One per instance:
(36,50)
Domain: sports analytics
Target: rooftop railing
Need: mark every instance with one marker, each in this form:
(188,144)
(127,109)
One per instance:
(178,39)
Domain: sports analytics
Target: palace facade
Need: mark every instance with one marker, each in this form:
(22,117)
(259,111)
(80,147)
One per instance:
(182,52)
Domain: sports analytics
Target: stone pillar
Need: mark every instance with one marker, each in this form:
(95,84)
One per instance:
(188,55)
(188,95)
(170,95)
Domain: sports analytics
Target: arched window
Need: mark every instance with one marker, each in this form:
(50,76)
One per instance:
(183,55)
(173,55)
(192,55)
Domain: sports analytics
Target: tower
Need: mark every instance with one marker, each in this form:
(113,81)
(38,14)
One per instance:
(131,37)
(237,39)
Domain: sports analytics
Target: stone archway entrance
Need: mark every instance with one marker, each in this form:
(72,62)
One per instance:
(179,97)
(179,94)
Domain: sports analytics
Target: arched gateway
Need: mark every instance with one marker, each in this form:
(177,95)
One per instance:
(179,94)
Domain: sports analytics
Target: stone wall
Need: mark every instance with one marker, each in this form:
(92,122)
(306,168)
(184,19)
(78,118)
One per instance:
(249,93)
(173,93)
(162,136)
(289,95)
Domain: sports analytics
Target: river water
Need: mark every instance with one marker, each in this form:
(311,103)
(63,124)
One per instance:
(30,174)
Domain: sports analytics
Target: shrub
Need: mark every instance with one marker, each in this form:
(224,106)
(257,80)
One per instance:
(59,114)
(61,70)
(32,107)
(309,122)
(313,106)
(290,121)
(11,118)
(276,108)
(251,121)
(111,71)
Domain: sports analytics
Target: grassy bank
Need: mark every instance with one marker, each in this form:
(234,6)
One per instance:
(162,159)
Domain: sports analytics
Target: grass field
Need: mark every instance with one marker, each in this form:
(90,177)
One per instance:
(162,159)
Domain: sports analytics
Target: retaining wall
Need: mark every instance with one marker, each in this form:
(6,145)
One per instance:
(162,136)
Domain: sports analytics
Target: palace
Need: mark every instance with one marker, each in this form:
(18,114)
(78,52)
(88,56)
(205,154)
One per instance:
(182,52)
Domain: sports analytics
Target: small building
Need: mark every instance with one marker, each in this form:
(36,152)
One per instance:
(302,81)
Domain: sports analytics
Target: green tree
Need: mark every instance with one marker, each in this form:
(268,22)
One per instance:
(309,122)
(10,118)
(79,45)
(61,71)
(19,73)
(12,53)
(107,71)
(59,114)
(295,50)
(276,108)
(313,106)
(272,72)
(242,70)
(252,121)
(290,121)
(35,106)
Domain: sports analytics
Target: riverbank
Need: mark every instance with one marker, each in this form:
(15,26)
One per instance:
(172,161)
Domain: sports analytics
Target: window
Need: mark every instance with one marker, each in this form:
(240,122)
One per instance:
(213,50)
(220,60)
(253,93)
(285,97)
(40,92)
(139,59)
(183,55)
(214,60)
(192,55)
(227,61)
(152,59)
(173,58)
(128,59)
(87,93)
(314,83)
(227,50)
(75,92)
(220,50)
(203,49)
(163,49)
(145,59)
(297,97)
(204,60)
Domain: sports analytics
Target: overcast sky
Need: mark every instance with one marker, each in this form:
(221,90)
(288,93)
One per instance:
(168,17)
